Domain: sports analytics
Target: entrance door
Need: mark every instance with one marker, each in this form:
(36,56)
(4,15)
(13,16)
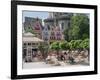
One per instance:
(34,52)
(24,53)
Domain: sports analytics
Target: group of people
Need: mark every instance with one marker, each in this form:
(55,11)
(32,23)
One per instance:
(37,56)
(61,57)
(67,57)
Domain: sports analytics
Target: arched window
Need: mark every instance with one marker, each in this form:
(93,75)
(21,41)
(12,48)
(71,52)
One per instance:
(54,37)
(50,37)
(48,27)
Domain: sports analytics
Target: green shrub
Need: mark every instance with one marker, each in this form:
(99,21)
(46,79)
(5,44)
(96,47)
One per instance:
(64,45)
(85,44)
(55,46)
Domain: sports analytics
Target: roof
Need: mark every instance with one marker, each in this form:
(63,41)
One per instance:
(29,37)
(32,39)
(28,34)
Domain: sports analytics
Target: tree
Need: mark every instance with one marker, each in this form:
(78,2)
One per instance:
(75,32)
(44,50)
(77,44)
(64,45)
(79,27)
(55,46)
(71,44)
(43,47)
(29,29)
(66,36)
(85,44)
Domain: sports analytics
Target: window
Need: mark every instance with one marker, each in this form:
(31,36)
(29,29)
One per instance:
(52,33)
(48,27)
(52,28)
(50,37)
(46,33)
(46,38)
(33,44)
(62,25)
(24,44)
(24,53)
(54,37)
(36,43)
(29,44)
(58,38)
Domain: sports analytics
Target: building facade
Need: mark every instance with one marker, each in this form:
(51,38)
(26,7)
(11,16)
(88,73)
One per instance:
(53,28)
(35,24)
(56,23)
(30,46)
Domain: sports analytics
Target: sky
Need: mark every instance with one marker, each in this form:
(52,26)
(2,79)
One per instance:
(35,14)
(40,14)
